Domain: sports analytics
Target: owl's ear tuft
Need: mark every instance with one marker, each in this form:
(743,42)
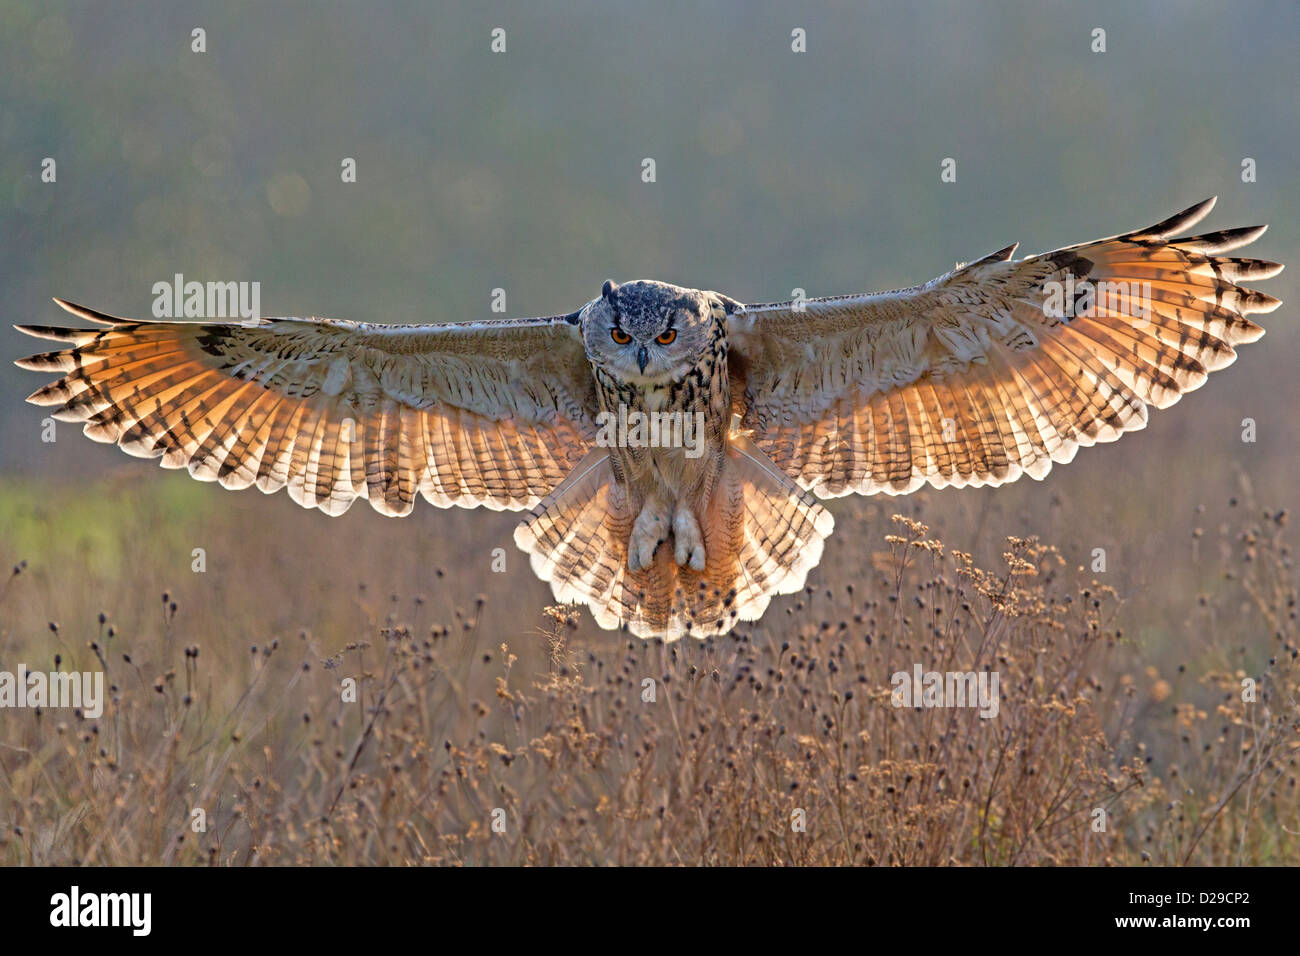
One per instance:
(729,305)
(608,288)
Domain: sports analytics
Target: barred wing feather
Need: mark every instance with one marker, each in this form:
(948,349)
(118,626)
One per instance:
(487,413)
(999,368)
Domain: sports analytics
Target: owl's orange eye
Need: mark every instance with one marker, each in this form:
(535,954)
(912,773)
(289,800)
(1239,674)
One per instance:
(619,336)
(667,337)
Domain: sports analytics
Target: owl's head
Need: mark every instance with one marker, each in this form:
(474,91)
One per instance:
(647,332)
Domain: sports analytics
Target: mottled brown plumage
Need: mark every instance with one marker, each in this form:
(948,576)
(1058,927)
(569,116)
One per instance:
(995,370)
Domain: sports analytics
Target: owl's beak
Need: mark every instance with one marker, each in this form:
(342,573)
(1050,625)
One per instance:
(642,358)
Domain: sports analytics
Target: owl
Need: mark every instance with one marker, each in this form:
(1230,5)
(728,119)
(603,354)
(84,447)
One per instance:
(671,445)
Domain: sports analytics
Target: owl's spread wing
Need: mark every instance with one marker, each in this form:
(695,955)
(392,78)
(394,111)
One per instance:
(486,413)
(997,369)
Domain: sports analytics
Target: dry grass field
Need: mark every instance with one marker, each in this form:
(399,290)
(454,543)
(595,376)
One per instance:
(479,707)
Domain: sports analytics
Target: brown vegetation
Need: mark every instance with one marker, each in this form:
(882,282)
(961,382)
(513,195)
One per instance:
(453,723)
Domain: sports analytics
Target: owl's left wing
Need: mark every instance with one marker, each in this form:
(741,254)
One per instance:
(997,369)
(490,413)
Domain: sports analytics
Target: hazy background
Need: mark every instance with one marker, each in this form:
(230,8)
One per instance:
(522,171)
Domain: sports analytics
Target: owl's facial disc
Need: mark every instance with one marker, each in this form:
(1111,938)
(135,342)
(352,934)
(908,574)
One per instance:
(646,332)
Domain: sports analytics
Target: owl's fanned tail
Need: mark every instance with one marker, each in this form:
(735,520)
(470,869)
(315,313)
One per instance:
(576,537)
(762,535)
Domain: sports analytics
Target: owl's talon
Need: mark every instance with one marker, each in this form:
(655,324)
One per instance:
(648,533)
(641,554)
(688,541)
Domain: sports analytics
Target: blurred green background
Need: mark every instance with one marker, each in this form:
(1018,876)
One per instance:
(522,170)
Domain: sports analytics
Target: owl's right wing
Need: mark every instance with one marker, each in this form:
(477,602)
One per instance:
(490,413)
(997,369)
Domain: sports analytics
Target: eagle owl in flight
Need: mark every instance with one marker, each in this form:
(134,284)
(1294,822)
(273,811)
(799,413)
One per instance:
(993,371)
